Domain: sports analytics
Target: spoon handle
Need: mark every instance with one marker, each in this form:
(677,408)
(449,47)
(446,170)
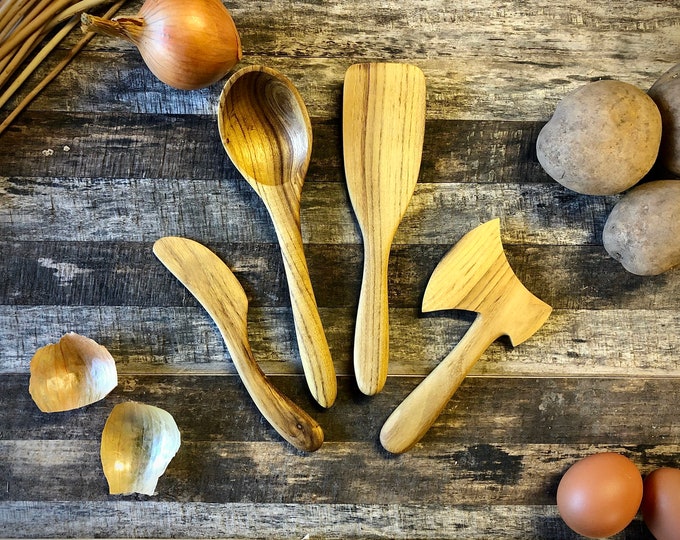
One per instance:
(311,338)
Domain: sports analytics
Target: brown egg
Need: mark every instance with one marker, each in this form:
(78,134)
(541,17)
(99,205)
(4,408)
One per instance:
(661,503)
(599,495)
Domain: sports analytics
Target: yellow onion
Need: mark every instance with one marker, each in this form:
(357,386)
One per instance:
(74,372)
(138,443)
(187,44)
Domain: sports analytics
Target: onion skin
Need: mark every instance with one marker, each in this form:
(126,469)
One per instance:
(187,44)
(72,373)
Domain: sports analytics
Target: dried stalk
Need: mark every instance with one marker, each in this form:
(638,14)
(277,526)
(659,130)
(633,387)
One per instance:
(56,70)
(18,56)
(35,62)
(12,62)
(5,8)
(47,10)
(76,9)
(23,11)
(13,13)
(22,17)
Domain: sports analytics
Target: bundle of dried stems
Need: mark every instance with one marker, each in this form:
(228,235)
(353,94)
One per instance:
(29,31)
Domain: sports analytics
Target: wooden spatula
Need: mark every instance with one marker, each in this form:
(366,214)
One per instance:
(383,123)
(219,292)
(475,276)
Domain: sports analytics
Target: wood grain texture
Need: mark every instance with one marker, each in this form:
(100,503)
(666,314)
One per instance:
(267,133)
(482,61)
(166,340)
(383,125)
(575,411)
(216,288)
(107,160)
(474,276)
(292,521)
(81,210)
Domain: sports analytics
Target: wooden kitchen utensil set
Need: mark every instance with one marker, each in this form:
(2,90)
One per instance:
(267,134)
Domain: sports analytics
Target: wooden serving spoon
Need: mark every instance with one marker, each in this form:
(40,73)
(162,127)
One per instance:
(267,134)
(383,124)
(219,292)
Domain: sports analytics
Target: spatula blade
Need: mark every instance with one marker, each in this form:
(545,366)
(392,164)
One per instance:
(383,122)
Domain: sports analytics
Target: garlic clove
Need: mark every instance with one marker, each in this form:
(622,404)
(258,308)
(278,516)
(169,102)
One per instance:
(138,443)
(74,372)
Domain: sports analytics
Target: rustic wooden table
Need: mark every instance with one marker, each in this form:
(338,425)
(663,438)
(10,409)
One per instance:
(108,159)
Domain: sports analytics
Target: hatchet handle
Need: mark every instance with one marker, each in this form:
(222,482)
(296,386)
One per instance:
(409,422)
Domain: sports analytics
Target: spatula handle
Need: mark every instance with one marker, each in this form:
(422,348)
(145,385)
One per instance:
(409,422)
(371,333)
(289,420)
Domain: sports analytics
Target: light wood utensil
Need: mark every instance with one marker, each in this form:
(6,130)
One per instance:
(476,276)
(219,292)
(267,134)
(383,124)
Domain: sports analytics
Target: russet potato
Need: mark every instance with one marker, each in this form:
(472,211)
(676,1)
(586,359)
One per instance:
(666,94)
(602,139)
(642,232)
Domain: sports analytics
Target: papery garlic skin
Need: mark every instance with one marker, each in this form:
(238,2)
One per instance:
(72,373)
(138,443)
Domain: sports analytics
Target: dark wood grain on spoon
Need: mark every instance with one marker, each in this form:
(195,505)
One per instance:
(267,134)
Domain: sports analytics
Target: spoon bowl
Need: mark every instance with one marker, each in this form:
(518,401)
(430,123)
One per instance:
(266,131)
(265,128)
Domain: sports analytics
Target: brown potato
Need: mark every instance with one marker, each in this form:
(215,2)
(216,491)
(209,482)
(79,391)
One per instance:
(602,139)
(666,94)
(643,230)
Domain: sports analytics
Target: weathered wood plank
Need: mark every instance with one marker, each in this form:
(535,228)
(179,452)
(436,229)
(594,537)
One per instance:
(128,274)
(244,520)
(497,411)
(347,473)
(128,145)
(621,343)
(465,86)
(143,209)
(481,61)
(472,455)
(123,145)
(108,159)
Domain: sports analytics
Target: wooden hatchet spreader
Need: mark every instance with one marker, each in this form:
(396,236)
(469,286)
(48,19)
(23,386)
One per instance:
(475,276)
